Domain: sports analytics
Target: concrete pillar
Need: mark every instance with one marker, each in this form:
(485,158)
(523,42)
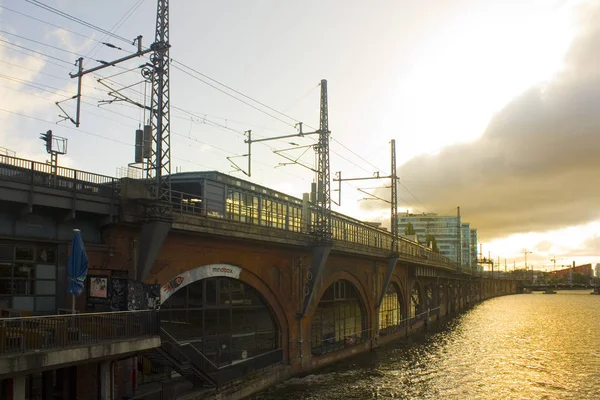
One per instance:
(106,382)
(19,387)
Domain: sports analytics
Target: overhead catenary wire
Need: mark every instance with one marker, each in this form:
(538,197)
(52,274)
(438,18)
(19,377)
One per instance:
(115,27)
(230,95)
(42,43)
(234,90)
(124,19)
(76,20)
(66,127)
(35,51)
(48,23)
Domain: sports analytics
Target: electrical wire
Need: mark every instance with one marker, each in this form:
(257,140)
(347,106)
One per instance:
(42,43)
(233,90)
(35,51)
(111,34)
(67,127)
(230,95)
(76,19)
(116,27)
(48,23)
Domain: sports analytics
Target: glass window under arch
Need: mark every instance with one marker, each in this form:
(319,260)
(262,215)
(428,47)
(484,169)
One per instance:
(339,320)
(415,302)
(391,312)
(224,318)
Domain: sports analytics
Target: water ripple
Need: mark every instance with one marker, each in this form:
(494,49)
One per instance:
(513,347)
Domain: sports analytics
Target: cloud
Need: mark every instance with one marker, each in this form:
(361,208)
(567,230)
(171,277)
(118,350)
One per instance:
(543,246)
(536,166)
(589,247)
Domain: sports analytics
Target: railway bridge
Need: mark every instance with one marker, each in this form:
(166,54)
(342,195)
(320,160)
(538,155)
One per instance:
(246,292)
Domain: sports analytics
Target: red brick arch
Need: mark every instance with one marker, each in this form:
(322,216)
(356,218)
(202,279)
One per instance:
(420,287)
(347,276)
(253,280)
(402,295)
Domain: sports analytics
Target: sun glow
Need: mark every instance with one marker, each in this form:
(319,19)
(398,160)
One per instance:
(483,66)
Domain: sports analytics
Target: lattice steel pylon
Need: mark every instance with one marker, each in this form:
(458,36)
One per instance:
(394,202)
(322,223)
(158,169)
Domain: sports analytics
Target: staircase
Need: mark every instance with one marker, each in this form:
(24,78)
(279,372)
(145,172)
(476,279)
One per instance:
(185,359)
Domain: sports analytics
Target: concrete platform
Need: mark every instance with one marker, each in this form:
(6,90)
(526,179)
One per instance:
(37,361)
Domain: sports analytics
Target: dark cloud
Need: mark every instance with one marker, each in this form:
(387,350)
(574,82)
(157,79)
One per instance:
(537,165)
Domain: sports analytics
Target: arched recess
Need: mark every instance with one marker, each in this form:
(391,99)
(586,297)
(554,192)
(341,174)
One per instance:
(429,297)
(224,313)
(340,318)
(392,311)
(416,300)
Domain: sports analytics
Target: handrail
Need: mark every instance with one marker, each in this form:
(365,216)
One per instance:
(42,174)
(43,167)
(179,344)
(287,213)
(77,314)
(290,218)
(28,334)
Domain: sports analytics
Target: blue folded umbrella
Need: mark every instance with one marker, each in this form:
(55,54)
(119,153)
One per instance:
(78,265)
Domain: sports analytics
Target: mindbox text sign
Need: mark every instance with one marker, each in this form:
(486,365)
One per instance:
(196,274)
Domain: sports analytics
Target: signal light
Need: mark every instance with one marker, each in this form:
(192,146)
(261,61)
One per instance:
(47,137)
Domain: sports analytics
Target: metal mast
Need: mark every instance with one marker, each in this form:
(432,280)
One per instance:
(322,226)
(394,202)
(159,165)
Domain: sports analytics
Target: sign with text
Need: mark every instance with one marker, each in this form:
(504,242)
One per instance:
(196,274)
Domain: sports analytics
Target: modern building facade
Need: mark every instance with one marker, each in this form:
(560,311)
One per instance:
(466,244)
(453,237)
(474,246)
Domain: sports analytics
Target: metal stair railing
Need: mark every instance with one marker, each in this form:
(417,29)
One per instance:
(198,361)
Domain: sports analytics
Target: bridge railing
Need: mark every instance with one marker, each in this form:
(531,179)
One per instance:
(42,174)
(290,215)
(26,334)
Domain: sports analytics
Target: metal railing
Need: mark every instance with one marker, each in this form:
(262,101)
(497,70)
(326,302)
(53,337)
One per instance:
(26,334)
(288,215)
(242,205)
(42,174)
(339,340)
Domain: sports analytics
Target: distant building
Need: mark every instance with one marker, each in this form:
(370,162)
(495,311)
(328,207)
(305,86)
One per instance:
(451,235)
(474,248)
(585,269)
(376,225)
(466,244)
(412,238)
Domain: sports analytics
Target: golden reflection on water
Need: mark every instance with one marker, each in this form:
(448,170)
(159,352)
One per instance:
(531,346)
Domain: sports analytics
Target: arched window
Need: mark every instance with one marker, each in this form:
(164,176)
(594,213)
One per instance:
(429,297)
(391,311)
(415,301)
(339,320)
(224,318)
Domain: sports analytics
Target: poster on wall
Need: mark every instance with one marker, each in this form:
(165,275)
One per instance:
(98,293)
(99,287)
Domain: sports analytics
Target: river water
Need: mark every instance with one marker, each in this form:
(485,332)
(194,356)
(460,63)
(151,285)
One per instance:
(528,346)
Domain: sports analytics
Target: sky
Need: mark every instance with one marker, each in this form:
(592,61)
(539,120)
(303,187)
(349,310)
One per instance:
(491,103)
